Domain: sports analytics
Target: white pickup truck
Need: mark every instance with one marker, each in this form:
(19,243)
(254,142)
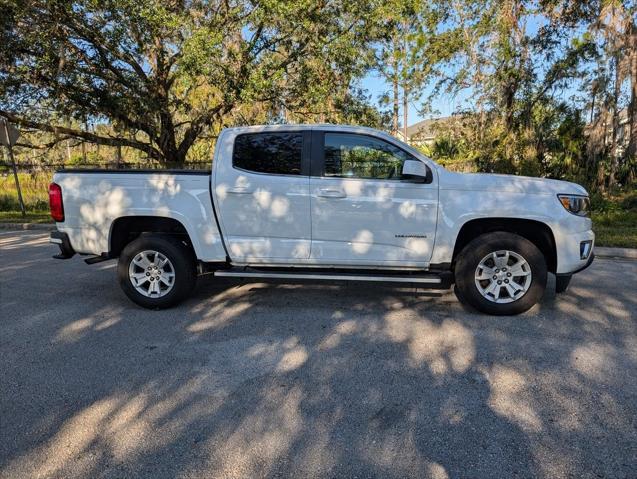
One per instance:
(331,203)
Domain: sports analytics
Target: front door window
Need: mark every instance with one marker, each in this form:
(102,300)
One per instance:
(357,156)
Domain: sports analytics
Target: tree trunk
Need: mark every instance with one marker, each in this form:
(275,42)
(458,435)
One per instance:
(600,177)
(395,110)
(405,70)
(118,155)
(405,112)
(395,99)
(167,141)
(68,145)
(631,150)
(615,125)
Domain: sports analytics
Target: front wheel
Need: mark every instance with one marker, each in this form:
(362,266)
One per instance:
(501,273)
(157,271)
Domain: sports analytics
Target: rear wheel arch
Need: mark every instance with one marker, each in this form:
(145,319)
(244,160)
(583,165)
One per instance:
(126,229)
(537,232)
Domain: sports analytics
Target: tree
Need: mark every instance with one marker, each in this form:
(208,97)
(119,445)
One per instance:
(610,30)
(401,54)
(167,72)
(631,61)
(513,60)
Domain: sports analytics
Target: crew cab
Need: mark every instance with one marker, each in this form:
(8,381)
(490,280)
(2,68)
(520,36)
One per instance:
(325,203)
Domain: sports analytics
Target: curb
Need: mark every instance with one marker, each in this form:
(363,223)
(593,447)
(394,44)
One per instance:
(27,226)
(625,253)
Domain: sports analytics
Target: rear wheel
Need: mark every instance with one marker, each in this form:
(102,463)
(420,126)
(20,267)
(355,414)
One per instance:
(501,273)
(157,271)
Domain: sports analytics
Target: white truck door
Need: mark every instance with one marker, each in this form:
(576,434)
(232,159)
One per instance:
(365,212)
(261,192)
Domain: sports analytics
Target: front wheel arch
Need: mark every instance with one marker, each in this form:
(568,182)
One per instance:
(537,232)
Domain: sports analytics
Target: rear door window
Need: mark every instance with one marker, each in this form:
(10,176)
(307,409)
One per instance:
(271,153)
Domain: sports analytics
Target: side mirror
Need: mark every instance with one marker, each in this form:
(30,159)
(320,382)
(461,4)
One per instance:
(416,172)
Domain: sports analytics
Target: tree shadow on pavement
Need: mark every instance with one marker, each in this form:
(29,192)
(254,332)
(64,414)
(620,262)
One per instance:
(312,380)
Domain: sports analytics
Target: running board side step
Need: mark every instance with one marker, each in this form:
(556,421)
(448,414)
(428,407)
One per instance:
(434,280)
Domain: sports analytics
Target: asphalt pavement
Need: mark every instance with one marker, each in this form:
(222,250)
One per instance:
(310,380)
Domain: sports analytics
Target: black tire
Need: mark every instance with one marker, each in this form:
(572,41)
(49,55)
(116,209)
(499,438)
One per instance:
(473,253)
(562,282)
(184,265)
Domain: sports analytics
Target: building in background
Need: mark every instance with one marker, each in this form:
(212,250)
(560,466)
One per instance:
(424,133)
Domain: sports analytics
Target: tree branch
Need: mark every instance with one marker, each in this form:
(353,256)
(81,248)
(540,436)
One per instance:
(84,135)
(46,146)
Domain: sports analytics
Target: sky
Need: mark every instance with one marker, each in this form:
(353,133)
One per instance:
(442,105)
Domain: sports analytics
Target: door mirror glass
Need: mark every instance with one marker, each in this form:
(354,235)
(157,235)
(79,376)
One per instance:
(416,171)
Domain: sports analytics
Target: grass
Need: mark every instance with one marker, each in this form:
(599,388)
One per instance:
(35,191)
(615,228)
(32,217)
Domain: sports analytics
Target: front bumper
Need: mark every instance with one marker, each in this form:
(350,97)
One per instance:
(570,249)
(62,240)
(582,268)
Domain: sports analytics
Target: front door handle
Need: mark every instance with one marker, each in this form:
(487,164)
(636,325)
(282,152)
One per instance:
(331,193)
(240,190)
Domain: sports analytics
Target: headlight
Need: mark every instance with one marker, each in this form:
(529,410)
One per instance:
(576,204)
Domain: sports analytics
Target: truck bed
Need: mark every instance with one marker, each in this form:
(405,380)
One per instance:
(135,171)
(95,198)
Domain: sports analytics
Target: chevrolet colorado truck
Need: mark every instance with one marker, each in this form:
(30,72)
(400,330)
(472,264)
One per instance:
(325,203)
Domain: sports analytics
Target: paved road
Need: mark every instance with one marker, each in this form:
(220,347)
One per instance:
(261,380)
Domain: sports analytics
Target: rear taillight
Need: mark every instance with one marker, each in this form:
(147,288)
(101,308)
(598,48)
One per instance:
(55,202)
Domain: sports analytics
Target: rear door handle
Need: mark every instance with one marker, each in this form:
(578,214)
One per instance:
(330,193)
(240,190)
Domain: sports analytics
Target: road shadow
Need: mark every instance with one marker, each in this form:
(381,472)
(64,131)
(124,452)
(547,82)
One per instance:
(311,380)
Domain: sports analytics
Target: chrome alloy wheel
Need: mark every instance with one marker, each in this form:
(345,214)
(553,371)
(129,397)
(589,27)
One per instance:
(503,276)
(151,274)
